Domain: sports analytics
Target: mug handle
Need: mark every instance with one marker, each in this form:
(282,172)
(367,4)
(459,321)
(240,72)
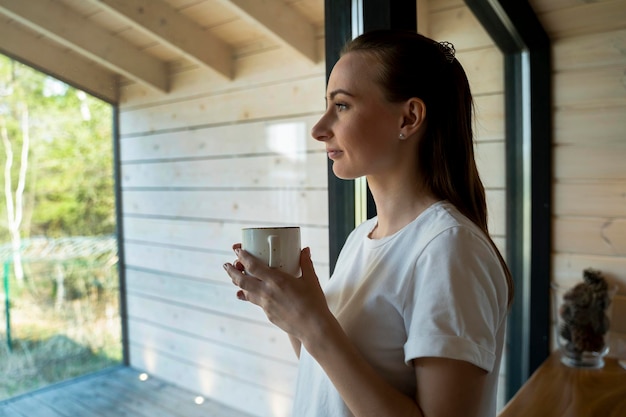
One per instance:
(273,241)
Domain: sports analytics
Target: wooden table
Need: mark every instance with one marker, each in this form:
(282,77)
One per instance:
(556,390)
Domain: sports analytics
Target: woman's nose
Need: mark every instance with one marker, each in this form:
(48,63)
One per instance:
(319,131)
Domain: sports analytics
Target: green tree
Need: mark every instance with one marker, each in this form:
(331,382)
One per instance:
(69,183)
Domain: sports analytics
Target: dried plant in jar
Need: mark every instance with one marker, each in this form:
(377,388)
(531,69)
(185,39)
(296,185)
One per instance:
(583,313)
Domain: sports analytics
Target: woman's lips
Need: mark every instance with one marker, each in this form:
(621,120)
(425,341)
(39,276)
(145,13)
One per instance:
(333,153)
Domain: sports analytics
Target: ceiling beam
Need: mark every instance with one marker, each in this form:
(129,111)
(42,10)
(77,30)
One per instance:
(72,30)
(281,22)
(27,47)
(177,31)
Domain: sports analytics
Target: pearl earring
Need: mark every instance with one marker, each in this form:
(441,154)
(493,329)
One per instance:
(401,137)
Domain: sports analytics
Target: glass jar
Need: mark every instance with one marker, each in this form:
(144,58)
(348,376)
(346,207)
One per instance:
(582,318)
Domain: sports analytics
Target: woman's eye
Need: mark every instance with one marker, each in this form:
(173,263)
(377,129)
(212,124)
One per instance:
(341,106)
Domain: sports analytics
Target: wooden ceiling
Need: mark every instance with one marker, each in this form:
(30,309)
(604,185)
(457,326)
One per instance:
(100,45)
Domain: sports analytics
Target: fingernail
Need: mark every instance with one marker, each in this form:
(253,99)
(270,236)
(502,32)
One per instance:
(308,252)
(225,266)
(237,251)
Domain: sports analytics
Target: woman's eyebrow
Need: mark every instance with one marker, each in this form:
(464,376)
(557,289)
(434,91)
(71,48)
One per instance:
(338,91)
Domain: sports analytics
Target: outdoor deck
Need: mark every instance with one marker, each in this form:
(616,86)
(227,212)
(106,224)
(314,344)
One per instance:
(115,393)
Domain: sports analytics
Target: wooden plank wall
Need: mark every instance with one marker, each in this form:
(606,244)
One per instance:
(589,48)
(199,164)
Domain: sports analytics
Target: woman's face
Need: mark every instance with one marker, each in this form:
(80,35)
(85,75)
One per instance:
(360,128)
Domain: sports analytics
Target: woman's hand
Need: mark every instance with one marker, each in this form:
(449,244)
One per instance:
(296,305)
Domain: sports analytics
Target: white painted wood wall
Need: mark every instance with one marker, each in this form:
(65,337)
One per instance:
(198,165)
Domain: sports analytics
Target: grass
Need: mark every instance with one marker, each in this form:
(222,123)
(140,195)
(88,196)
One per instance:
(57,338)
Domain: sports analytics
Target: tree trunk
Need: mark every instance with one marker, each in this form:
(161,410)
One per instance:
(59,276)
(15,207)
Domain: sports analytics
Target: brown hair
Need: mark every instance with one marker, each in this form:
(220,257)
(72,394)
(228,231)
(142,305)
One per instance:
(412,65)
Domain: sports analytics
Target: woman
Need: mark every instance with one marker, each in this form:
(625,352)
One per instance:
(412,321)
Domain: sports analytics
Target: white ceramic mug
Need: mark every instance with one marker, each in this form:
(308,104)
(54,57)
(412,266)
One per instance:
(278,247)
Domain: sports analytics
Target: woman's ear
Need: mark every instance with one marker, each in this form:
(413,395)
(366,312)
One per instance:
(414,116)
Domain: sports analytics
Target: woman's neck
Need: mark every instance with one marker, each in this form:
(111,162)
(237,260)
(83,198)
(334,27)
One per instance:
(397,204)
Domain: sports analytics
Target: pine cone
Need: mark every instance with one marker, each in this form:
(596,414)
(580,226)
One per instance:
(584,339)
(583,313)
(594,277)
(580,296)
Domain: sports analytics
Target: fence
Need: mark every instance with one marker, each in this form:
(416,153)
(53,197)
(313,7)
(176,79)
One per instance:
(62,317)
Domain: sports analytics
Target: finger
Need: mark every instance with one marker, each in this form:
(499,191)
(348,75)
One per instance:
(252,265)
(249,297)
(306,264)
(234,273)
(238,265)
(241,279)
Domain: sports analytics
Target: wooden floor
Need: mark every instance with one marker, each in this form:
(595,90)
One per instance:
(114,393)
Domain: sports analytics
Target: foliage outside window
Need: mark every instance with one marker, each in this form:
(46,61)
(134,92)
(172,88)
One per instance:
(60,298)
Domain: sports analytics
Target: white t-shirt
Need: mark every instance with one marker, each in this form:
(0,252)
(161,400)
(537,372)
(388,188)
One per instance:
(435,288)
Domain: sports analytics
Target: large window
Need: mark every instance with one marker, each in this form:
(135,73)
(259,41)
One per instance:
(58,246)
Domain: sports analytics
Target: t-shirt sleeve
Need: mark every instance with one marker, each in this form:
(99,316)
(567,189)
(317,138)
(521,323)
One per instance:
(453,307)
